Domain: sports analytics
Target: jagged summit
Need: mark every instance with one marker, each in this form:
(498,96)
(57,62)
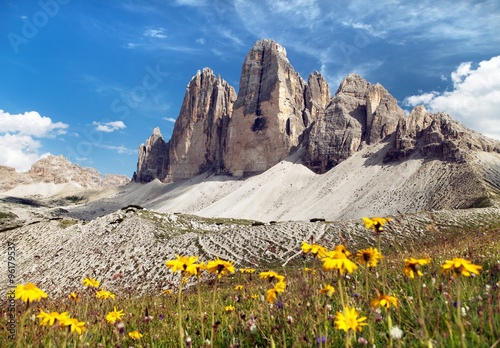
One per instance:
(276,113)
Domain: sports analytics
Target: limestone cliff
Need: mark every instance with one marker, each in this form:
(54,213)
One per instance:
(275,112)
(268,117)
(153,159)
(359,113)
(200,131)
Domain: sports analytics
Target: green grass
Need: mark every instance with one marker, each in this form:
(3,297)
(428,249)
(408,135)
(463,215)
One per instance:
(65,223)
(301,314)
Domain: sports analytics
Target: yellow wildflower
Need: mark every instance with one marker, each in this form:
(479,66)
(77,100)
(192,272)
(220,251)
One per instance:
(220,267)
(75,325)
(314,249)
(49,319)
(74,297)
(271,275)
(238,287)
(113,316)
(376,223)
(271,295)
(309,270)
(412,266)
(384,301)
(29,292)
(135,335)
(91,282)
(369,256)
(167,292)
(460,267)
(229,308)
(338,261)
(327,289)
(348,320)
(104,294)
(247,270)
(184,264)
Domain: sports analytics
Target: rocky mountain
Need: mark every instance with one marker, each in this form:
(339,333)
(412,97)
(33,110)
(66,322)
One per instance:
(276,112)
(270,113)
(346,150)
(58,170)
(200,131)
(153,159)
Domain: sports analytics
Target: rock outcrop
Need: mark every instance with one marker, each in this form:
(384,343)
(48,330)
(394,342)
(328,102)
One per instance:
(58,170)
(153,159)
(276,112)
(200,131)
(426,135)
(268,119)
(359,113)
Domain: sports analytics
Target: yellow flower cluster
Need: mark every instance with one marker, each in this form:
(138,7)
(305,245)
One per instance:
(61,320)
(188,266)
(278,288)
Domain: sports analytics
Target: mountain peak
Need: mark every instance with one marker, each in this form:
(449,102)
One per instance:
(276,112)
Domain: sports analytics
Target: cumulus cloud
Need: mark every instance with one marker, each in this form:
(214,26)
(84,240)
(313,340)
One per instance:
(474,99)
(19,137)
(108,127)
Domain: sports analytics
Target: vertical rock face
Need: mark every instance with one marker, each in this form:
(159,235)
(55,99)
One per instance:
(153,159)
(200,130)
(358,113)
(317,97)
(267,122)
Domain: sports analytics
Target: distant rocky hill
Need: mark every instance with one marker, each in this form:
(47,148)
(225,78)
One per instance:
(275,112)
(58,170)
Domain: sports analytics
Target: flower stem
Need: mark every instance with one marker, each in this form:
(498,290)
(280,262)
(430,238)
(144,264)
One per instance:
(202,316)
(179,322)
(389,327)
(421,306)
(212,333)
(459,315)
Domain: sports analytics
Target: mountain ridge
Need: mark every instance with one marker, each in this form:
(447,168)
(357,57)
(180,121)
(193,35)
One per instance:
(59,170)
(276,112)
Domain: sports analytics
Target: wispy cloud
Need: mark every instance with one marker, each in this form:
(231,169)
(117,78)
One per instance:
(108,127)
(122,150)
(474,98)
(169,119)
(158,33)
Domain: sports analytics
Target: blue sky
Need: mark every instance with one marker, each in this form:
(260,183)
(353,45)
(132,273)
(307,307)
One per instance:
(91,79)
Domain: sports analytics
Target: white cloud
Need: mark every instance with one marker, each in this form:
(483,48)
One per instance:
(18,146)
(474,99)
(200,41)
(424,98)
(169,119)
(120,149)
(31,124)
(109,127)
(463,70)
(158,33)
